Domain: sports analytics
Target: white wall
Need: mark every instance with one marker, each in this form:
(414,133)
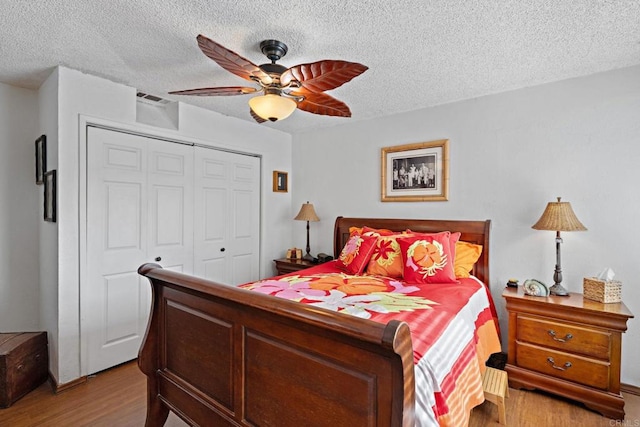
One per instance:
(81,97)
(48,232)
(20,199)
(510,154)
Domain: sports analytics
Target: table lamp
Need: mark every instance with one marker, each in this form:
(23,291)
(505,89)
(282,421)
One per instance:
(558,216)
(307,213)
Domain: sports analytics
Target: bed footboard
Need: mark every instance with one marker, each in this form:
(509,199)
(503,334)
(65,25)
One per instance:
(219,355)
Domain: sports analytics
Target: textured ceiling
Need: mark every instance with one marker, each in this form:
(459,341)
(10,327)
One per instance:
(420,53)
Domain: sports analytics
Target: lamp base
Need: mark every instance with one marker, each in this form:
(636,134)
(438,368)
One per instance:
(308,257)
(558,290)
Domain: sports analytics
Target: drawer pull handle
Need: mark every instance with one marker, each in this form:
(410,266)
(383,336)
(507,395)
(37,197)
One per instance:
(552,362)
(553,335)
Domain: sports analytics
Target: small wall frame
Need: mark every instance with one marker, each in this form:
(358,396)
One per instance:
(50,196)
(280,182)
(41,158)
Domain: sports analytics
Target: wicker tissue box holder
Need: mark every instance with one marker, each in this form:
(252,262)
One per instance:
(606,291)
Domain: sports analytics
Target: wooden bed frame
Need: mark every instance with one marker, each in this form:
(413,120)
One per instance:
(220,355)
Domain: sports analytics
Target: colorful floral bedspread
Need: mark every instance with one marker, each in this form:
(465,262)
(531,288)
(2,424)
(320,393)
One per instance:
(453,329)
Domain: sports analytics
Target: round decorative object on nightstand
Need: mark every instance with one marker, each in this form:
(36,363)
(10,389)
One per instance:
(535,288)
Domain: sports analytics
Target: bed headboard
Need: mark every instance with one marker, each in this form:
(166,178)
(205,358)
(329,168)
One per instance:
(471,231)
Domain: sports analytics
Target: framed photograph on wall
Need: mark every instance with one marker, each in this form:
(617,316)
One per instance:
(416,172)
(50,196)
(280,182)
(41,158)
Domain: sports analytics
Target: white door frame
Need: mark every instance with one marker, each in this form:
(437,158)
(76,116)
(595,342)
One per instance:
(141,130)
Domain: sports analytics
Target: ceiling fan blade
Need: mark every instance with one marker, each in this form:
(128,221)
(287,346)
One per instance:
(231,61)
(323,75)
(321,103)
(216,91)
(256,117)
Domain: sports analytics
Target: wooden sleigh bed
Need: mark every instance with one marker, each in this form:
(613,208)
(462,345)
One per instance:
(221,355)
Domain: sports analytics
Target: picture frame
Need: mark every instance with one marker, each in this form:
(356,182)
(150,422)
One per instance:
(294,253)
(280,182)
(50,196)
(41,158)
(416,172)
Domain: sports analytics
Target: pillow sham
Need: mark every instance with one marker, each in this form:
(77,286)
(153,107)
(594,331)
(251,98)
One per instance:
(452,240)
(356,253)
(386,258)
(467,254)
(427,258)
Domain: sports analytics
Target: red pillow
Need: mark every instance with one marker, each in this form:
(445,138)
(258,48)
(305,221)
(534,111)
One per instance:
(453,239)
(356,253)
(427,258)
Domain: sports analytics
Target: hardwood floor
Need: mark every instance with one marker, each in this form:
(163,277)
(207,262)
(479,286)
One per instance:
(537,409)
(116,397)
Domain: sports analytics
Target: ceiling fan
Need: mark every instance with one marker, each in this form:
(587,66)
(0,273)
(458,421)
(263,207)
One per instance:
(283,89)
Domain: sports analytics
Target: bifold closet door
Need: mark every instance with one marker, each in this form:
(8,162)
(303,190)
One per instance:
(139,209)
(227,216)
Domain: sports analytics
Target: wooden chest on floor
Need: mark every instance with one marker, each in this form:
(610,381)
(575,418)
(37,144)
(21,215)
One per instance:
(24,364)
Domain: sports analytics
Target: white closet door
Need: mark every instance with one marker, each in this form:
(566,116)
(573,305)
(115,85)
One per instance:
(139,208)
(227,216)
(170,202)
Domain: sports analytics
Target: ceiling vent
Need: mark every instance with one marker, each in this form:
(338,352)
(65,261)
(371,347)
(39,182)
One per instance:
(152,99)
(155,111)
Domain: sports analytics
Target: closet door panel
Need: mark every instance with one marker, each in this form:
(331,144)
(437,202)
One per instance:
(113,300)
(242,236)
(227,216)
(170,200)
(245,218)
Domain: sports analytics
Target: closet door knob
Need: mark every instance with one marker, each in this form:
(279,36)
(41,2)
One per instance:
(158,259)
(222,249)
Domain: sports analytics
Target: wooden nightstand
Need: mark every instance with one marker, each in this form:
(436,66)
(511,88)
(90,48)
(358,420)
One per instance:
(568,346)
(286,265)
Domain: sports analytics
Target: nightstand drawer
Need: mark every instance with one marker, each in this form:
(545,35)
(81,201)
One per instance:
(289,265)
(565,366)
(285,269)
(565,337)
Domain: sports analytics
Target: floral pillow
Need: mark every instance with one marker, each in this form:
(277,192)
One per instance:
(356,253)
(453,239)
(386,259)
(427,258)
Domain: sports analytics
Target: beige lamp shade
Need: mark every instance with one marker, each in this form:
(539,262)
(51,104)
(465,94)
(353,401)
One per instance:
(558,216)
(307,213)
(272,107)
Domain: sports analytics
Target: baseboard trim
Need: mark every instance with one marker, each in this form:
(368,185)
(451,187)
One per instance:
(631,389)
(58,388)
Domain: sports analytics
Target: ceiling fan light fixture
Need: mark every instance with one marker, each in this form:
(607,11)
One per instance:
(283,89)
(272,107)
